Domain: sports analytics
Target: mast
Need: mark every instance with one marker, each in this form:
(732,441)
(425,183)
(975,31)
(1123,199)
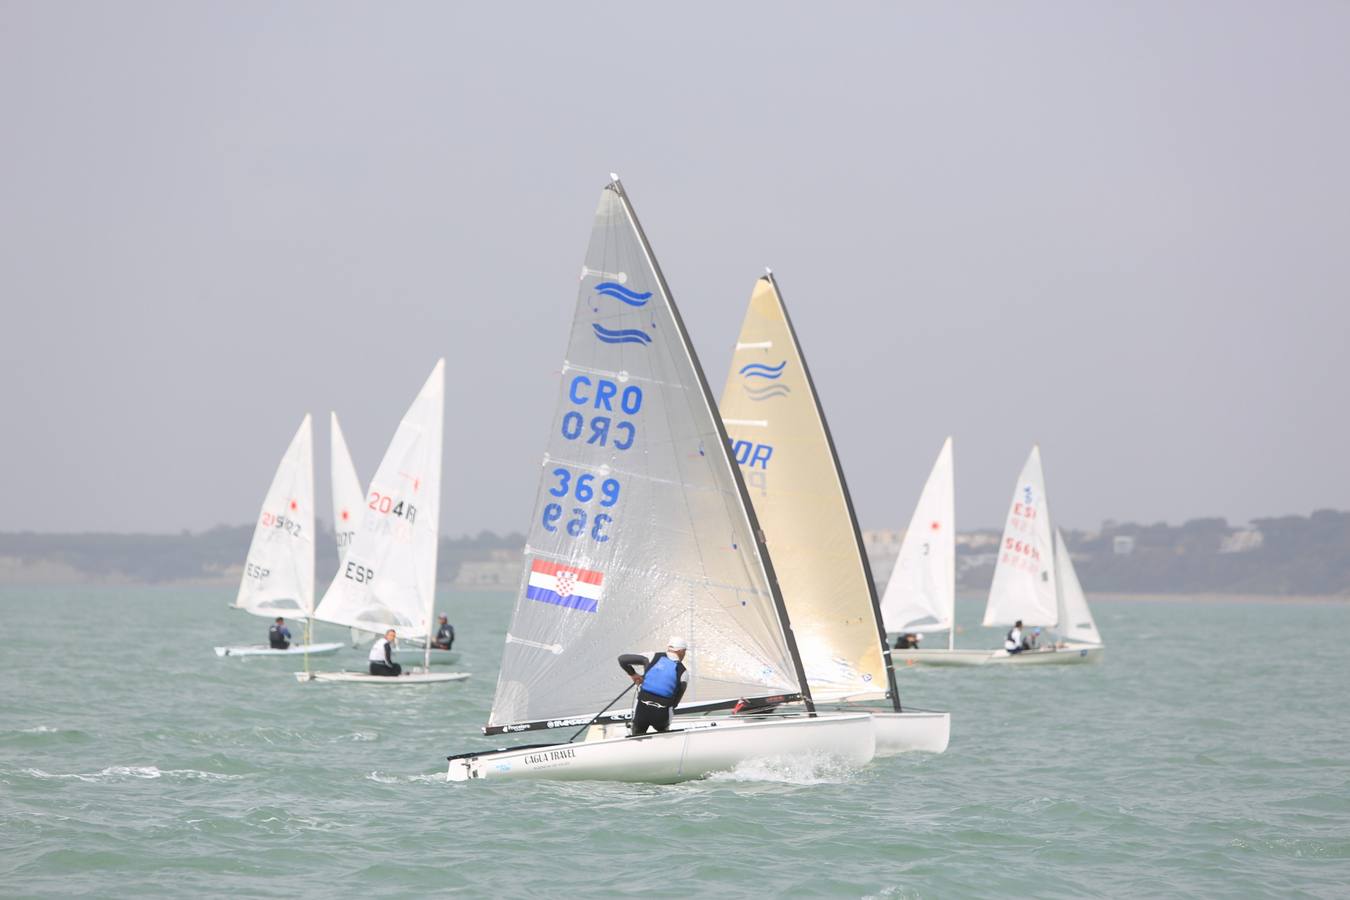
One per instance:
(951,632)
(747,507)
(893,690)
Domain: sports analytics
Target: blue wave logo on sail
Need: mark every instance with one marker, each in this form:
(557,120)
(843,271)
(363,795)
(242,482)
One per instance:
(760,370)
(767,392)
(622,335)
(621,293)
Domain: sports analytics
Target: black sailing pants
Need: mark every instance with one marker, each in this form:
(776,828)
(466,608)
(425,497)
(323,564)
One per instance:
(645,716)
(380,668)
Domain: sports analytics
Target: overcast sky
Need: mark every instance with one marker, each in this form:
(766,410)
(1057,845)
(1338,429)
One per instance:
(1120,230)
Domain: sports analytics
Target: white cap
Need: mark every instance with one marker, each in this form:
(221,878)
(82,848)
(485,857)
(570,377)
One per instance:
(677,643)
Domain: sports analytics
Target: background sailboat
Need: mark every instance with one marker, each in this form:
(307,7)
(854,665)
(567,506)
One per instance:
(641,530)
(1029,580)
(278,575)
(348,503)
(782,443)
(388,575)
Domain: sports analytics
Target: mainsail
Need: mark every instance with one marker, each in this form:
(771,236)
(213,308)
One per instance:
(279,571)
(1075,619)
(388,578)
(781,441)
(641,528)
(1024,575)
(921,595)
(347,493)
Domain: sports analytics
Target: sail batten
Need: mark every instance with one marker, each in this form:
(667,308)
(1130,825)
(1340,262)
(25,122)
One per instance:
(278,575)
(787,457)
(640,529)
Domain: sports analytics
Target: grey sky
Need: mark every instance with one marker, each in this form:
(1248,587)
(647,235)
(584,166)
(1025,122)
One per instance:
(1118,229)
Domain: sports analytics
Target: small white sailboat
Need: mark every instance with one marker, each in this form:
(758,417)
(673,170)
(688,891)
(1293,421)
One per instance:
(388,574)
(1034,581)
(920,596)
(348,500)
(1030,581)
(278,575)
(782,443)
(642,529)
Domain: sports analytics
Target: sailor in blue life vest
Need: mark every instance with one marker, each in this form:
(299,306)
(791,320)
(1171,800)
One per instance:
(279,636)
(663,682)
(1033,641)
(382,655)
(445,635)
(1013,643)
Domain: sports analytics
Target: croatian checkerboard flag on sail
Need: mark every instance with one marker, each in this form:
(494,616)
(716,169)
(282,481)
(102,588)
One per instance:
(566,586)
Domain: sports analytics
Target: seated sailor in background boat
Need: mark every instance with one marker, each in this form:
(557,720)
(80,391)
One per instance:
(663,682)
(1013,643)
(279,636)
(445,635)
(382,655)
(908,641)
(1034,641)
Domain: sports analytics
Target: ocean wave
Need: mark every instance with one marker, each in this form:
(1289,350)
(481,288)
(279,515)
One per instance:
(804,769)
(428,778)
(622,335)
(623,294)
(124,773)
(762,370)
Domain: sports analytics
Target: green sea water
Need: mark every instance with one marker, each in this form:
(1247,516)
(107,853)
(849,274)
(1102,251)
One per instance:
(1208,755)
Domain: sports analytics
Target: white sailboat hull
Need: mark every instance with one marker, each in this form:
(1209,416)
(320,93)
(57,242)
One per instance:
(1046,656)
(292,650)
(1050,656)
(415,655)
(906,732)
(941,657)
(403,680)
(693,751)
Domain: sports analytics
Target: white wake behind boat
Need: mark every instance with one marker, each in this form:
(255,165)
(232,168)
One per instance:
(406,678)
(693,750)
(387,577)
(292,650)
(643,529)
(782,443)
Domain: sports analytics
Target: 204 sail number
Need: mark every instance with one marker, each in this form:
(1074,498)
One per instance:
(583,489)
(386,505)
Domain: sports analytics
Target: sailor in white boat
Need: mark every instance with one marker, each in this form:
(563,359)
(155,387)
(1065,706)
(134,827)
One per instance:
(1013,643)
(663,684)
(279,636)
(382,655)
(1033,642)
(445,635)
(908,641)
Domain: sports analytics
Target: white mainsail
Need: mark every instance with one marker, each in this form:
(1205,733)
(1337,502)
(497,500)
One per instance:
(388,578)
(347,494)
(641,528)
(921,593)
(782,443)
(279,570)
(1075,619)
(1024,575)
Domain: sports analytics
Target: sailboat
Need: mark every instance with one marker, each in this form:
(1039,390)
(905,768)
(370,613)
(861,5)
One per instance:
(642,529)
(348,499)
(920,596)
(1034,580)
(388,574)
(279,569)
(782,443)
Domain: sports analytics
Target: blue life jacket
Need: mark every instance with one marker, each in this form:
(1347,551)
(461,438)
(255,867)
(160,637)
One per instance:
(662,678)
(278,636)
